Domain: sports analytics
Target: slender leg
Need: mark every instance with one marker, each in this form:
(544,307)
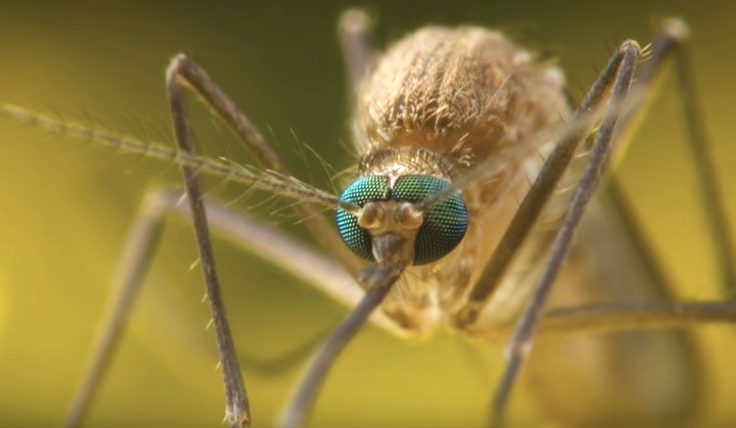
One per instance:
(533,204)
(237,408)
(701,149)
(520,344)
(353,31)
(322,272)
(379,279)
(672,41)
(142,241)
(191,75)
(609,317)
(354,34)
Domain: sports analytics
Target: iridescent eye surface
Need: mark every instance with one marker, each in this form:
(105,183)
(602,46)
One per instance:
(363,190)
(444,223)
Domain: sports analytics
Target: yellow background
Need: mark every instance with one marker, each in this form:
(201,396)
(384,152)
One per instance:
(66,206)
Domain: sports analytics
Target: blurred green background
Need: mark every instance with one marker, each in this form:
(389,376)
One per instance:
(66,206)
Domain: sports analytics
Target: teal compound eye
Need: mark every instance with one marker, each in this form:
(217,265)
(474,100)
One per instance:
(363,190)
(445,222)
(441,231)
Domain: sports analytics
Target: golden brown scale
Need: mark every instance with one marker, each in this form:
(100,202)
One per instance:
(464,94)
(439,87)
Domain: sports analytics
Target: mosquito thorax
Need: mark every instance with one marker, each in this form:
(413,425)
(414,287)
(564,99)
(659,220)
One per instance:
(391,225)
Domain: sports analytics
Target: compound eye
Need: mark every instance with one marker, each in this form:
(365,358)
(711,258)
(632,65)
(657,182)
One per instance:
(363,190)
(444,223)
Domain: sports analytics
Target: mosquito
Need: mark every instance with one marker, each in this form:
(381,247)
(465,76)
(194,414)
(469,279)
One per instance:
(473,178)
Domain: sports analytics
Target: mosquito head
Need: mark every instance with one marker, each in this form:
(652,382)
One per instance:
(392,227)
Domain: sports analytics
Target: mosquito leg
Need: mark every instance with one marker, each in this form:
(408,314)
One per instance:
(142,241)
(191,75)
(353,31)
(621,316)
(703,156)
(326,275)
(520,344)
(533,204)
(378,279)
(237,409)
(624,316)
(672,41)
(320,271)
